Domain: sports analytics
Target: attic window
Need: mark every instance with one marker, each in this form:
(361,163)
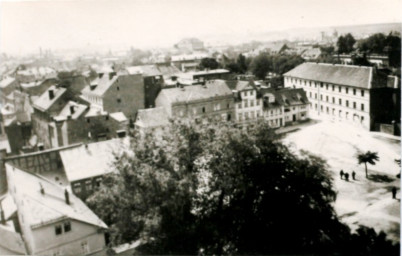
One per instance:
(118,100)
(118,88)
(67,226)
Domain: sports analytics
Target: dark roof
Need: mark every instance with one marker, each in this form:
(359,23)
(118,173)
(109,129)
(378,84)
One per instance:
(285,97)
(349,75)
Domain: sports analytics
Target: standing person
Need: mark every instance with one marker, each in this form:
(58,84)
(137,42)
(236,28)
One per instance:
(393,192)
(353,175)
(347,176)
(341,173)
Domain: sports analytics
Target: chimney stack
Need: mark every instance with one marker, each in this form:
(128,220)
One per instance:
(51,94)
(72,109)
(67,196)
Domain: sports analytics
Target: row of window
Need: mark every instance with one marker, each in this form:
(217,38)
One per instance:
(248,103)
(327,86)
(88,185)
(245,93)
(339,101)
(66,227)
(248,115)
(216,107)
(328,111)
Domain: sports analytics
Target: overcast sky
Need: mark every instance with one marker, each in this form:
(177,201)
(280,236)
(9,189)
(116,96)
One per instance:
(25,26)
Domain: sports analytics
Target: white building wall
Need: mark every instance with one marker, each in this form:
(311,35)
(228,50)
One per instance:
(250,107)
(337,102)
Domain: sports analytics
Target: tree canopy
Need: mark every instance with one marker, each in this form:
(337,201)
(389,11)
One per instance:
(209,63)
(218,189)
(345,43)
(279,64)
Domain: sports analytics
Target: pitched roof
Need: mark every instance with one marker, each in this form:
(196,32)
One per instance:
(285,97)
(103,84)
(152,117)
(51,206)
(44,102)
(11,241)
(118,116)
(355,76)
(66,111)
(6,81)
(212,88)
(90,160)
(145,70)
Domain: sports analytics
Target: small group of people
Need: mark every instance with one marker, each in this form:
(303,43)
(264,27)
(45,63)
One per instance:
(345,175)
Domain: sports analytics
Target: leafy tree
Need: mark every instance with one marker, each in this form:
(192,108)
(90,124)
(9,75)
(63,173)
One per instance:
(345,43)
(261,65)
(368,157)
(218,189)
(209,63)
(241,62)
(233,67)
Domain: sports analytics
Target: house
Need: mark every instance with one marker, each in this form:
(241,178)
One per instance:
(188,62)
(284,106)
(38,87)
(248,103)
(199,77)
(152,119)
(210,101)
(7,86)
(85,165)
(47,106)
(354,94)
(311,54)
(54,221)
(112,92)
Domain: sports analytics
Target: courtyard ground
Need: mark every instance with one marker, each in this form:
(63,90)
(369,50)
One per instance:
(363,201)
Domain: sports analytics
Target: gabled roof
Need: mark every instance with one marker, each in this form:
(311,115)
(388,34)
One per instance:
(90,160)
(152,117)
(44,102)
(349,75)
(118,116)
(285,97)
(11,241)
(51,206)
(103,84)
(79,109)
(211,89)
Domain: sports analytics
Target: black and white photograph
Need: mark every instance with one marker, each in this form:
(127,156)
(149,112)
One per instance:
(200,127)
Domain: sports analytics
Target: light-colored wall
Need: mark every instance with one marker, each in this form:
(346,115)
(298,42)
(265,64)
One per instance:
(68,243)
(244,110)
(317,95)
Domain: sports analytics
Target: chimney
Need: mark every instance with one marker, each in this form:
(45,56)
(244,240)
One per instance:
(51,94)
(100,75)
(92,87)
(111,75)
(67,196)
(72,109)
(42,190)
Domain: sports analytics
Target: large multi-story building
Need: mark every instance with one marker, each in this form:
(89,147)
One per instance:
(248,104)
(349,93)
(212,100)
(53,221)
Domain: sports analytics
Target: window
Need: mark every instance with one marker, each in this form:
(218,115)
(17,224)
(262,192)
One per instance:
(347,103)
(88,185)
(67,226)
(246,103)
(326,98)
(347,115)
(333,100)
(340,101)
(203,109)
(58,230)
(258,102)
(88,120)
(354,104)
(245,93)
(321,107)
(354,91)
(229,117)
(240,116)
(315,106)
(362,107)
(321,84)
(77,188)
(333,87)
(309,83)
(85,247)
(239,105)
(327,110)
(315,95)
(326,86)
(118,100)
(251,93)
(347,90)
(311,95)
(228,105)
(340,113)
(362,93)
(340,88)
(321,97)
(118,88)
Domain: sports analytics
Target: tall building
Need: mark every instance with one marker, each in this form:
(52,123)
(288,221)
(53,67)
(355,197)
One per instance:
(355,94)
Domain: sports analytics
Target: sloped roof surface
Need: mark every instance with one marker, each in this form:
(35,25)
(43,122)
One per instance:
(11,241)
(51,206)
(103,84)
(212,88)
(44,102)
(334,74)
